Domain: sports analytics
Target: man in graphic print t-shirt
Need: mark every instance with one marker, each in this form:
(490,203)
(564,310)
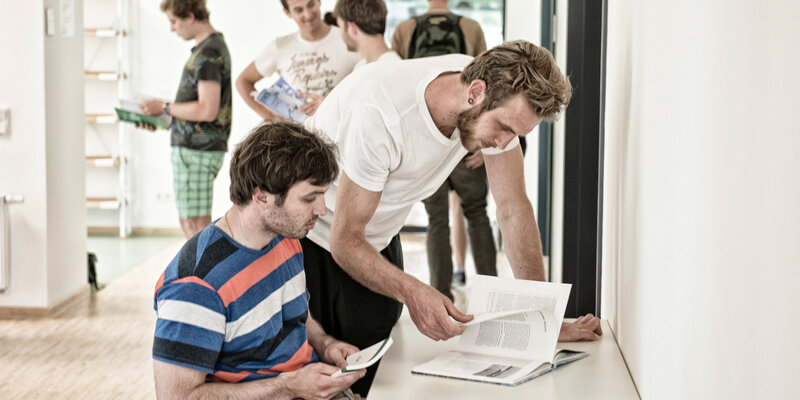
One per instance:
(232,306)
(312,60)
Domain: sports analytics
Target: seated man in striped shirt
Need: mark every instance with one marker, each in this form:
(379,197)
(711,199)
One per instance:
(232,306)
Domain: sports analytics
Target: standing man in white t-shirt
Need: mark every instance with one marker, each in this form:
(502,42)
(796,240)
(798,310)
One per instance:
(362,24)
(312,60)
(401,127)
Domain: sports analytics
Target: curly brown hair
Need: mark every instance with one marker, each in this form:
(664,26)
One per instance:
(521,67)
(182,8)
(275,156)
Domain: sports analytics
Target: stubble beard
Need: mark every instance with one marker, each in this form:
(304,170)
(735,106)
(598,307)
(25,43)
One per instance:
(465,122)
(282,224)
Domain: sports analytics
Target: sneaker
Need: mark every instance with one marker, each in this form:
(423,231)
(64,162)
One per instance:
(459,278)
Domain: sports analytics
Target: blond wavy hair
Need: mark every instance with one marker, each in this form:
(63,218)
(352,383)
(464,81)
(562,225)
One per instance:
(520,67)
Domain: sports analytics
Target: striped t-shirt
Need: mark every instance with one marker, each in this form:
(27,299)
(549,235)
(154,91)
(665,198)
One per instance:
(235,313)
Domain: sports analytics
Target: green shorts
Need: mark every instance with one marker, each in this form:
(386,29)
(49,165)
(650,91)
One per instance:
(193,172)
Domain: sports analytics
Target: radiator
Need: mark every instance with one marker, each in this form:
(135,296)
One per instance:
(5,239)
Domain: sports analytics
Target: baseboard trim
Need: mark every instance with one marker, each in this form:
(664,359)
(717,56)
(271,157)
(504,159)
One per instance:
(114,230)
(43,312)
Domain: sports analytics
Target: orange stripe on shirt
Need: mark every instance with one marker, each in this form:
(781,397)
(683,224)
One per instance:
(300,358)
(230,377)
(194,279)
(159,284)
(257,270)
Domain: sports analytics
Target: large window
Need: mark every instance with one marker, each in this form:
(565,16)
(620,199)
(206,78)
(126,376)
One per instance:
(488,13)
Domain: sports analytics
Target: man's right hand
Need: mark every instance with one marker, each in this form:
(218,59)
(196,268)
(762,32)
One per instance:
(314,382)
(431,312)
(152,107)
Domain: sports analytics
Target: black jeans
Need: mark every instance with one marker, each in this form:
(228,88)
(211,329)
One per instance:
(346,309)
(470,185)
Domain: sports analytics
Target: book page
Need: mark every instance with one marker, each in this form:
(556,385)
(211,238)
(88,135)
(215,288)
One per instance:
(478,367)
(489,315)
(365,357)
(566,356)
(530,335)
(130,105)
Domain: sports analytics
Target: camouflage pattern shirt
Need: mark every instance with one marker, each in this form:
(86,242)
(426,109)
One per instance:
(210,61)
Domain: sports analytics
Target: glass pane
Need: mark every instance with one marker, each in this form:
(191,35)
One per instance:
(488,13)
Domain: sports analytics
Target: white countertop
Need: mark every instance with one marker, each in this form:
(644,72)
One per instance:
(603,375)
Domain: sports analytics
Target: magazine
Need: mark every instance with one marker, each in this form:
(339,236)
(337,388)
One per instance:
(284,100)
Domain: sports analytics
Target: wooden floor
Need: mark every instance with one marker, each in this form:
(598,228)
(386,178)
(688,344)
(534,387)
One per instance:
(100,347)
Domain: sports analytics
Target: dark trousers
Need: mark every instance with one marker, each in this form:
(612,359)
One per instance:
(470,185)
(346,309)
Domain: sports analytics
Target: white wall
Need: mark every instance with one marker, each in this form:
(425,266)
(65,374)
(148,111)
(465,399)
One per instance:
(64,130)
(559,149)
(523,21)
(42,158)
(701,197)
(22,89)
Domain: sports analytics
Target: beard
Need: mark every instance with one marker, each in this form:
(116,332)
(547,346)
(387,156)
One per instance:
(465,122)
(288,226)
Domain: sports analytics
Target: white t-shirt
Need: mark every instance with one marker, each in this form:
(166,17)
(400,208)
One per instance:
(388,141)
(388,56)
(310,67)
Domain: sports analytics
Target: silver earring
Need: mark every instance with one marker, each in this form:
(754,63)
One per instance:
(470,101)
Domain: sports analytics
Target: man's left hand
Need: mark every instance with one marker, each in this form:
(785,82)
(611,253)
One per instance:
(336,352)
(312,102)
(586,327)
(474,160)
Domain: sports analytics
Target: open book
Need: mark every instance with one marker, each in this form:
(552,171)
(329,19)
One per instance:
(129,111)
(283,99)
(365,358)
(516,340)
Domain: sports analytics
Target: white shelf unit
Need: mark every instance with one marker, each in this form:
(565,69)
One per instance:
(106,66)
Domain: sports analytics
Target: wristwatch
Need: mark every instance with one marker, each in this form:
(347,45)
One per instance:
(166,108)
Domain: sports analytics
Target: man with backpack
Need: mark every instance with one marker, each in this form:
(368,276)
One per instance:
(434,33)
(440,32)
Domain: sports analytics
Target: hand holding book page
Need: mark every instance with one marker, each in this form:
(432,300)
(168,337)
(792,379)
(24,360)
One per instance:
(518,345)
(490,315)
(130,111)
(284,100)
(365,358)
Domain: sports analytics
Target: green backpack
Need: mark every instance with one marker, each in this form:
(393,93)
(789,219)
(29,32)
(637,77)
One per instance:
(435,35)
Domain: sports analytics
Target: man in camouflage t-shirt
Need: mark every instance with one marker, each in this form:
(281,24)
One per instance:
(201,113)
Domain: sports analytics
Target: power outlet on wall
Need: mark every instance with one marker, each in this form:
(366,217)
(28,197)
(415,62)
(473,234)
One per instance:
(164,196)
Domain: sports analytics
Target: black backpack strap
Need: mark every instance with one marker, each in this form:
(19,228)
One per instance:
(420,19)
(460,34)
